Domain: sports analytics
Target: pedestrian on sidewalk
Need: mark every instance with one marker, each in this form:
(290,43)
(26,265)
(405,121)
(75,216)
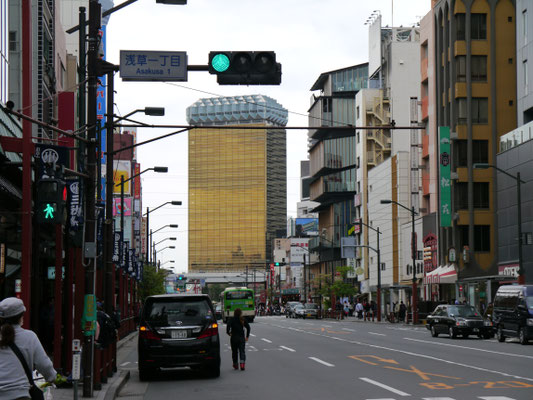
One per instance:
(338,310)
(235,329)
(19,347)
(401,312)
(373,309)
(359,310)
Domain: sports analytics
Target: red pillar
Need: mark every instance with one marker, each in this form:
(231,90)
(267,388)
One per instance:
(58,303)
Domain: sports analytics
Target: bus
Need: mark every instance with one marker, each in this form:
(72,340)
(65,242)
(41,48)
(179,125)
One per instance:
(238,297)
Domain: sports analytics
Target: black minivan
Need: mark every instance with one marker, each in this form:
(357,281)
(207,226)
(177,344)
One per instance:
(178,330)
(513,312)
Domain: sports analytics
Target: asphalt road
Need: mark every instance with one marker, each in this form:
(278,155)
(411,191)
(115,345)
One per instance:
(326,359)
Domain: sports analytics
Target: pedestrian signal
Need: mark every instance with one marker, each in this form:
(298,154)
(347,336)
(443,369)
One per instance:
(51,201)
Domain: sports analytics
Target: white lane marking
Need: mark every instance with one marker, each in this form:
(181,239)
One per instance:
(124,363)
(318,360)
(495,398)
(266,340)
(438,398)
(410,353)
(469,348)
(348,329)
(287,348)
(326,326)
(383,386)
(252,348)
(252,335)
(377,334)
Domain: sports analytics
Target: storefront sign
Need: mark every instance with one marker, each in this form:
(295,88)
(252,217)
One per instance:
(509,270)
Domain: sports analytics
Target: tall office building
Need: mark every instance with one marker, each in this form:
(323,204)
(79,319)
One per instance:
(475,74)
(237,182)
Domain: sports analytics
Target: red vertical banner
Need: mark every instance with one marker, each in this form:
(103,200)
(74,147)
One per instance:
(137,193)
(66,112)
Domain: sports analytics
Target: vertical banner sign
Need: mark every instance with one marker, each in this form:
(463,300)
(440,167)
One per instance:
(117,247)
(143,237)
(131,262)
(125,258)
(444,177)
(137,181)
(75,205)
(101,92)
(66,111)
(100,213)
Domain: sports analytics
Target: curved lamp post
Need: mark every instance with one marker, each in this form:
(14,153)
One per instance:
(413,246)
(379,263)
(147,215)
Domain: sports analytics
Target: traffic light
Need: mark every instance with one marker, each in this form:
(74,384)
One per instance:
(245,67)
(428,254)
(51,201)
(279,264)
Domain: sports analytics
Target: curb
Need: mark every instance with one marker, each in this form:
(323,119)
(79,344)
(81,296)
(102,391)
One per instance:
(113,390)
(124,341)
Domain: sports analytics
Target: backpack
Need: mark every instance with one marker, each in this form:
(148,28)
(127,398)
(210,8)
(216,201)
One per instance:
(107,329)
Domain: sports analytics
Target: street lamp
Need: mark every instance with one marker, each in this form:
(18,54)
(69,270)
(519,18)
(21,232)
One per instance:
(379,263)
(121,184)
(161,241)
(521,272)
(413,254)
(153,111)
(147,215)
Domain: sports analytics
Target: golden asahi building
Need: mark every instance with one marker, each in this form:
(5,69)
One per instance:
(237,182)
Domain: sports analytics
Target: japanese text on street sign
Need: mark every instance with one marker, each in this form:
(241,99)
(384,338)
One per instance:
(445,177)
(140,65)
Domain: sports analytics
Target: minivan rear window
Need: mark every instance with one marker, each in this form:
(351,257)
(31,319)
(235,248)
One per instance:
(177,312)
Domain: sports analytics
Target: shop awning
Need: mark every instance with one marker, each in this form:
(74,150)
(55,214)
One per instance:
(441,275)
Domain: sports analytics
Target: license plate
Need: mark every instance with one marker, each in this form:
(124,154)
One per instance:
(179,334)
(476,330)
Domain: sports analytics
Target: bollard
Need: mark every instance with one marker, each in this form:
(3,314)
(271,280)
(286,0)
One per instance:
(76,365)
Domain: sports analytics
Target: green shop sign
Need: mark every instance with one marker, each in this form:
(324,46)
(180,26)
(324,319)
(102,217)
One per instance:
(444,177)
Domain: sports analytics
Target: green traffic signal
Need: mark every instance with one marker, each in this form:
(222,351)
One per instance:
(50,210)
(220,62)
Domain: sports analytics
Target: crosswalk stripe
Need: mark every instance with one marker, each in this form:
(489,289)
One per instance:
(288,348)
(266,340)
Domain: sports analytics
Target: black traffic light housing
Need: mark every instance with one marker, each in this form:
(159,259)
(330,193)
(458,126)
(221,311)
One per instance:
(51,201)
(245,67)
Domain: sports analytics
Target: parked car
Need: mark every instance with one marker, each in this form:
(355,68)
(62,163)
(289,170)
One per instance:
(512,313)
(297,311)
(288,308)
(178,330)
(310,310)
(456,320)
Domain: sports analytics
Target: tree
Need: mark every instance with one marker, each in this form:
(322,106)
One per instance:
(214,291)
(153,281)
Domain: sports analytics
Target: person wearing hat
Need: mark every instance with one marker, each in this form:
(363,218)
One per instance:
(14,383)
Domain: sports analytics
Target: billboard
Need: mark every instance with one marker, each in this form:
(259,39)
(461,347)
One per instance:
(127,206)
(299,248)
(122,168)
(306,227)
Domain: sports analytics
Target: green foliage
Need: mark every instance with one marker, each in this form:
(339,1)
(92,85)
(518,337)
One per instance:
(153,281)
(340,288)
(214,291)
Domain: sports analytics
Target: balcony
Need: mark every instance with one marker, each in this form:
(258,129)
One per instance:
(326,188)
(424,69)
(425,146)
(425,105)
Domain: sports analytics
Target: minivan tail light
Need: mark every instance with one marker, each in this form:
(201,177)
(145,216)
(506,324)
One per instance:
(211,330)
(146,333)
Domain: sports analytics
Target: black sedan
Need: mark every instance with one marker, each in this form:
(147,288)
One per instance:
(456,320)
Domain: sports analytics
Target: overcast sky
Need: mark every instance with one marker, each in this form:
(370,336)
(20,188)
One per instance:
(309,37)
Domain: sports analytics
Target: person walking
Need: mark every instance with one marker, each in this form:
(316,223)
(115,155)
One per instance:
(20,352)
(401,312)
(235,329)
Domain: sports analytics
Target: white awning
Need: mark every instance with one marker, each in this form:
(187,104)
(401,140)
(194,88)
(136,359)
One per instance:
(440,275)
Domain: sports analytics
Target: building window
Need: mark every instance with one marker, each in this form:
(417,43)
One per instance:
(480,195)
(479,68)
(13,41)
(524,24)
(478,24)
(480,152)
(526,78)
(460,67)
(461,26)
(481,237)
(357,113)
(480,109)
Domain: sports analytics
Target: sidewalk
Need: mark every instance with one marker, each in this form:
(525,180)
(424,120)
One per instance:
(109,389)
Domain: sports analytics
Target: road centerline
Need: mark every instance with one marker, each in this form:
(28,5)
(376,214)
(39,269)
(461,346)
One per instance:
(318,360)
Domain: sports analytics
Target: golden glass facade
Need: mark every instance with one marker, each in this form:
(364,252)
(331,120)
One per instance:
(230,207)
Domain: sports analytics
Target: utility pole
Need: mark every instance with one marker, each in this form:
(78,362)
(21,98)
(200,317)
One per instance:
(90,223)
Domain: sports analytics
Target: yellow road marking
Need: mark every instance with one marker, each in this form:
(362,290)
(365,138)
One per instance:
(421,374)
(361,358)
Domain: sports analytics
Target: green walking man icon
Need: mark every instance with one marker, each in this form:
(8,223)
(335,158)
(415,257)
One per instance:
(49,211)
